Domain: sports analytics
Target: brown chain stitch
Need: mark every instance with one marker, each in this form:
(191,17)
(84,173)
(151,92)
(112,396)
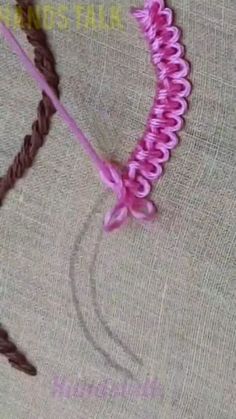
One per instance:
(45,63)
(15,357)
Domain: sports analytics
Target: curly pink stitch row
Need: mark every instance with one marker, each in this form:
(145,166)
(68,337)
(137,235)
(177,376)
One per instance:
(132,184)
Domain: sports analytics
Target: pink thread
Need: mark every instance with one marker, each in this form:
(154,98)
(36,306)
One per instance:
(64,114)
(145,165)
(133,183)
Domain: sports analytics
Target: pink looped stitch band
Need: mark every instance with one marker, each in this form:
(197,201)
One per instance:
(132,183)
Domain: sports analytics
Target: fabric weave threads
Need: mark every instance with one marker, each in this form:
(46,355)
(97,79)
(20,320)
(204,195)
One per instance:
(45,62)
(132,184)
(15,357)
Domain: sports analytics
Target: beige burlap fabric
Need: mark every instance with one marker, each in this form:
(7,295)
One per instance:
(147,302)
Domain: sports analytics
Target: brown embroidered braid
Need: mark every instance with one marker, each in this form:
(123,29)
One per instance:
(15,357)
(45,63)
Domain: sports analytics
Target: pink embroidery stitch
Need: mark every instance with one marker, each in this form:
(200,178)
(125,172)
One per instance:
(145,164)
(132,184)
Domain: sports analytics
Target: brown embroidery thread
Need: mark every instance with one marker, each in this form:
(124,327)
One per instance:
(45,62)
(15,357)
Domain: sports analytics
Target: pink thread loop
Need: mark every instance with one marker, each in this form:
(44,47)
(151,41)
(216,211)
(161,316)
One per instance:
(132,185)
(128,204)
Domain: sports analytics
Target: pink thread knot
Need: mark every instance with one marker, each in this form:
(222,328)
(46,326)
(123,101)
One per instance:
(128,204)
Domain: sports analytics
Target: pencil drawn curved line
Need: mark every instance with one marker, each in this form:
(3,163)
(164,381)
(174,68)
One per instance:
(98,310)
(76,301)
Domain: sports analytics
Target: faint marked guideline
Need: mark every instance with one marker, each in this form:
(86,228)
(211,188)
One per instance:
(96,307)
